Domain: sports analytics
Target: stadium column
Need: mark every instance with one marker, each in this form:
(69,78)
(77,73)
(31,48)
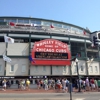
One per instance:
(5,61)
(99,56)
(86,58)
(71,62)
(29,52)
(51,65)
(70,71)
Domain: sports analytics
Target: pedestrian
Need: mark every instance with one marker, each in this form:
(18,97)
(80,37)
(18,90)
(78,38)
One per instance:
(92,84)
(27,84)
(4,85)
(46,84)
(84,85)
(96,84)
(87,84)
(18,82)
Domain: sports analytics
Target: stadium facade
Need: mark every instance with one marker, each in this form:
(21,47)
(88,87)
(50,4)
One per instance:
(31,33)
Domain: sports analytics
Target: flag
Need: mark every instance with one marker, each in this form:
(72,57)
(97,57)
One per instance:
(31,59)
(5,58)
(84,32)
(51,26)
(8,39)
(12,24)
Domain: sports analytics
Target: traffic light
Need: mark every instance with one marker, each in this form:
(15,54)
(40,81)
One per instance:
(95,41)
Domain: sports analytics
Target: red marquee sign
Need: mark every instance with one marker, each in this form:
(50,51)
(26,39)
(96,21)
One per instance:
(51,52)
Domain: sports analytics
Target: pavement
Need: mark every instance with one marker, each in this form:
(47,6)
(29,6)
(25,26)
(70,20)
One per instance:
(41,91)
(27,91)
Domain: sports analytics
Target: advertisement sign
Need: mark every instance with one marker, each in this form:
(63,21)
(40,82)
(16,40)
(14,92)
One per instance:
(51,52)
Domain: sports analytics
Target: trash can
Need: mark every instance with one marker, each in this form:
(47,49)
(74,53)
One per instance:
(70,88)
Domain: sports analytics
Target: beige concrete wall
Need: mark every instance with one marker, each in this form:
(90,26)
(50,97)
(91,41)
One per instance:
(2,64)
(40,70)
(60,70)
(74,68)
(2,48)
(92,69)
(17,63)
(18,49)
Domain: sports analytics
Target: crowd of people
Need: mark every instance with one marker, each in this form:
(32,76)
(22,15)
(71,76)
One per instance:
(63,84)
(22,84)
(59,84)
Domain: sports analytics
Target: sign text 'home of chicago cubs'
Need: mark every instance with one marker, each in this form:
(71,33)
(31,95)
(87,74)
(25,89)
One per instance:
(52,50)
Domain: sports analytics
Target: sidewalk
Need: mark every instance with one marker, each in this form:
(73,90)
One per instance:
(39,91)
(27,91)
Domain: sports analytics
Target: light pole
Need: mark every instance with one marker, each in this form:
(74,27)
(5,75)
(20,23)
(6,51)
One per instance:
(79,88)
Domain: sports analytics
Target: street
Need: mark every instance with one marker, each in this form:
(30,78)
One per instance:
(50,96)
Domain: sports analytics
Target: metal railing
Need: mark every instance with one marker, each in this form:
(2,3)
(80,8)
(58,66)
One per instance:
(45,29)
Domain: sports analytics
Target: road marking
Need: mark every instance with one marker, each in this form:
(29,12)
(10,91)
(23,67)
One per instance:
(79,98)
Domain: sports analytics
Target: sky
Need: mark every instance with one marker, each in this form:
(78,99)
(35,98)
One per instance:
(83,13)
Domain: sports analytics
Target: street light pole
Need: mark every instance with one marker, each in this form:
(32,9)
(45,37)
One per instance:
(79,89)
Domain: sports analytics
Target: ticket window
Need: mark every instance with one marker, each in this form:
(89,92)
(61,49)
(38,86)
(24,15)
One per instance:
(12,82)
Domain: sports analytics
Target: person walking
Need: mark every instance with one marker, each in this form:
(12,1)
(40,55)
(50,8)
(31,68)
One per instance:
(27,84)
(4,85)
(46,84)
(84,85)
(87,84)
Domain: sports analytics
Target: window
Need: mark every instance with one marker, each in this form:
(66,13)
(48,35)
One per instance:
(57,25)
(13,20)
(38,22)
(1,20)
(44,68)
(64,69)
(82,69)
(32,21)
(46,23)
(96,69)
(8,20)
(26,21)
(23,68)
(35,22)
(12,68)
(91,69)
(66,27)
(20,21)
(0,68)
